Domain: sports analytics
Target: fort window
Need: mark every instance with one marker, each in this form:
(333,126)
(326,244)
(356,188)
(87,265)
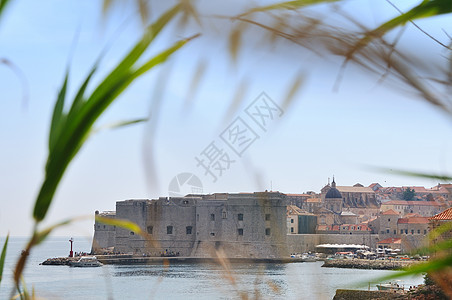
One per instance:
(406,231)
(387,230)
(188,229)
(291,229)
(425,231)
(212,234)
(412,231)
(240,217)
(267,217)
(395,231)
(267,231)
(291,220)
(418,231)
(401,231)
(104,226)
(169,229)
(185,201)
(212,217)
(132,233)
(389,220)
(150,229)
(224,214)
(240,231)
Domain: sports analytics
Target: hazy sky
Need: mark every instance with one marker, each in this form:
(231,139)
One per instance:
(321,134)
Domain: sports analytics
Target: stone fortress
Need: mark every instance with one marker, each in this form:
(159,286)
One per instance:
(272,224)
(245,225)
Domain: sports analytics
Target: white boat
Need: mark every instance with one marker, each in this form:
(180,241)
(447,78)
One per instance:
(86,262)
(389,287)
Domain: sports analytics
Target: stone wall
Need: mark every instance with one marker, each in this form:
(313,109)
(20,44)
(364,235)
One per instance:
(104,235)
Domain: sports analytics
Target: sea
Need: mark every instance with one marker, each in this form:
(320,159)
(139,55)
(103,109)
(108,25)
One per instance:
(306,280)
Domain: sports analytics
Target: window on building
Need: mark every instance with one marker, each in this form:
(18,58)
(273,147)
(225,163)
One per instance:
(212,234)
(169,229)
(389,220)
(104,226)
(240,231)
(425,231)
(150,229)
(412,231)
(401,231)
(224,214)
(418,231)
(267,217)
(212,217)
(267,231)
(188,229)
(185,201)
(387,230)
(406,231)
(395,231)
(132,233)
(240,217)
(291,229)
(291,220)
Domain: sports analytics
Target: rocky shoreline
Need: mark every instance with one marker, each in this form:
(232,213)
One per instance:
(368,264)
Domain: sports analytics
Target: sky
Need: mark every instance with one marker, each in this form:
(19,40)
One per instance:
(324,132)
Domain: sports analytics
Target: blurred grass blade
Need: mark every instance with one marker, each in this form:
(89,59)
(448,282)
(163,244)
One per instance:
(120,124)
(57,119)
(3,257)
(287,5)
(427,8)
(78,100)
(292,91)
(416,174)
(37,238)
(3,4)
(125,224)
(81,118)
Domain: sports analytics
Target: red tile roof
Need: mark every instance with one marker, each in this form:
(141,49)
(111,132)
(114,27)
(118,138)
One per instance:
(445,215)
(419,203)
(390,212)
(390,241)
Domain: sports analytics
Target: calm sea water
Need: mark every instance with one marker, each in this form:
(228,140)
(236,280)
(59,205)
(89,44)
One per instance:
(178,281)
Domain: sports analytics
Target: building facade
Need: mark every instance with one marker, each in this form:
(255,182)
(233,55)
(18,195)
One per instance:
(246,225)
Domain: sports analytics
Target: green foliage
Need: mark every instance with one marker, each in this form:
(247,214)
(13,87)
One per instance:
(3,4)
(408,194)
(3,257)
(69,130)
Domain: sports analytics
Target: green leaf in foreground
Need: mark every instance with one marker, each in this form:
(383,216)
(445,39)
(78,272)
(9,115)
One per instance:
(3,257)
(126,224)
(79,121)
(442,177)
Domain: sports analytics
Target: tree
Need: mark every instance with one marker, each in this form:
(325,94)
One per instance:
(408,194)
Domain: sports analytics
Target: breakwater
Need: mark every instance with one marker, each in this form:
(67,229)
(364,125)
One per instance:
(58,261)
(140,260)
(368,264)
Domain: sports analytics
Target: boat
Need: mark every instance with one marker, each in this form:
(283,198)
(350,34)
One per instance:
(391,286)
(86,262)
(308,258)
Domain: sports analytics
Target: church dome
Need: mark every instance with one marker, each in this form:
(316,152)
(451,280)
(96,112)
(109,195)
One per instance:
(333,193)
